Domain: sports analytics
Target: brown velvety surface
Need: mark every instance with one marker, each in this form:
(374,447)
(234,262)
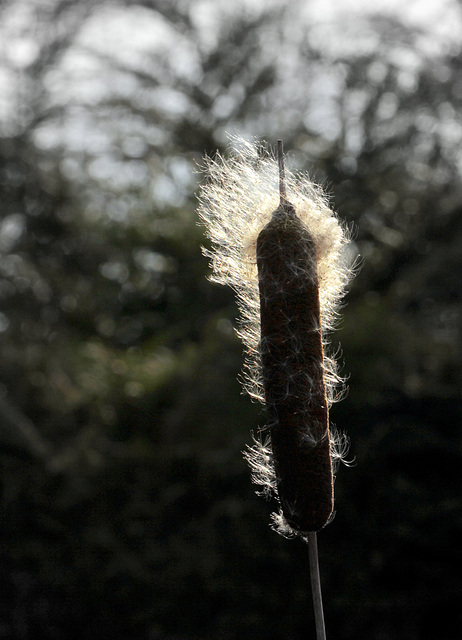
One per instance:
(292,356)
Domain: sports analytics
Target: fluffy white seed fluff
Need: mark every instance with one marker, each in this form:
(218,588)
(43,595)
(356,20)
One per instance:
(237,199)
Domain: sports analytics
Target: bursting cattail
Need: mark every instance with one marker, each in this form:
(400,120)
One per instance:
(292,366)
(279,246)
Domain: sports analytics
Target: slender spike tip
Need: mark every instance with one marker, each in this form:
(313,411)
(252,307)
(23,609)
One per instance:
(282,185)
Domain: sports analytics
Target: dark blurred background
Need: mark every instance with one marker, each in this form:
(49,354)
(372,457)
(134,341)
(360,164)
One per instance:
(127,508)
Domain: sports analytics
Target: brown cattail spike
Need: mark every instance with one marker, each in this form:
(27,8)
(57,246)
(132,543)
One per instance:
(292,365)
(301,247)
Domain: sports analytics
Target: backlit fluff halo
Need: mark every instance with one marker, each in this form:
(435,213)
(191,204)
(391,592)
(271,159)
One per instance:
(236,200)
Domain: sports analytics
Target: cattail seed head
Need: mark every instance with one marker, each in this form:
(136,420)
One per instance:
(292,370)
(281,261)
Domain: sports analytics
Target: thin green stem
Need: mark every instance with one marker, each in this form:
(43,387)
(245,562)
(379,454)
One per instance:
(316,586)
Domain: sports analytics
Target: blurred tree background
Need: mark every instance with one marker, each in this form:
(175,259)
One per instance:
(127,509)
